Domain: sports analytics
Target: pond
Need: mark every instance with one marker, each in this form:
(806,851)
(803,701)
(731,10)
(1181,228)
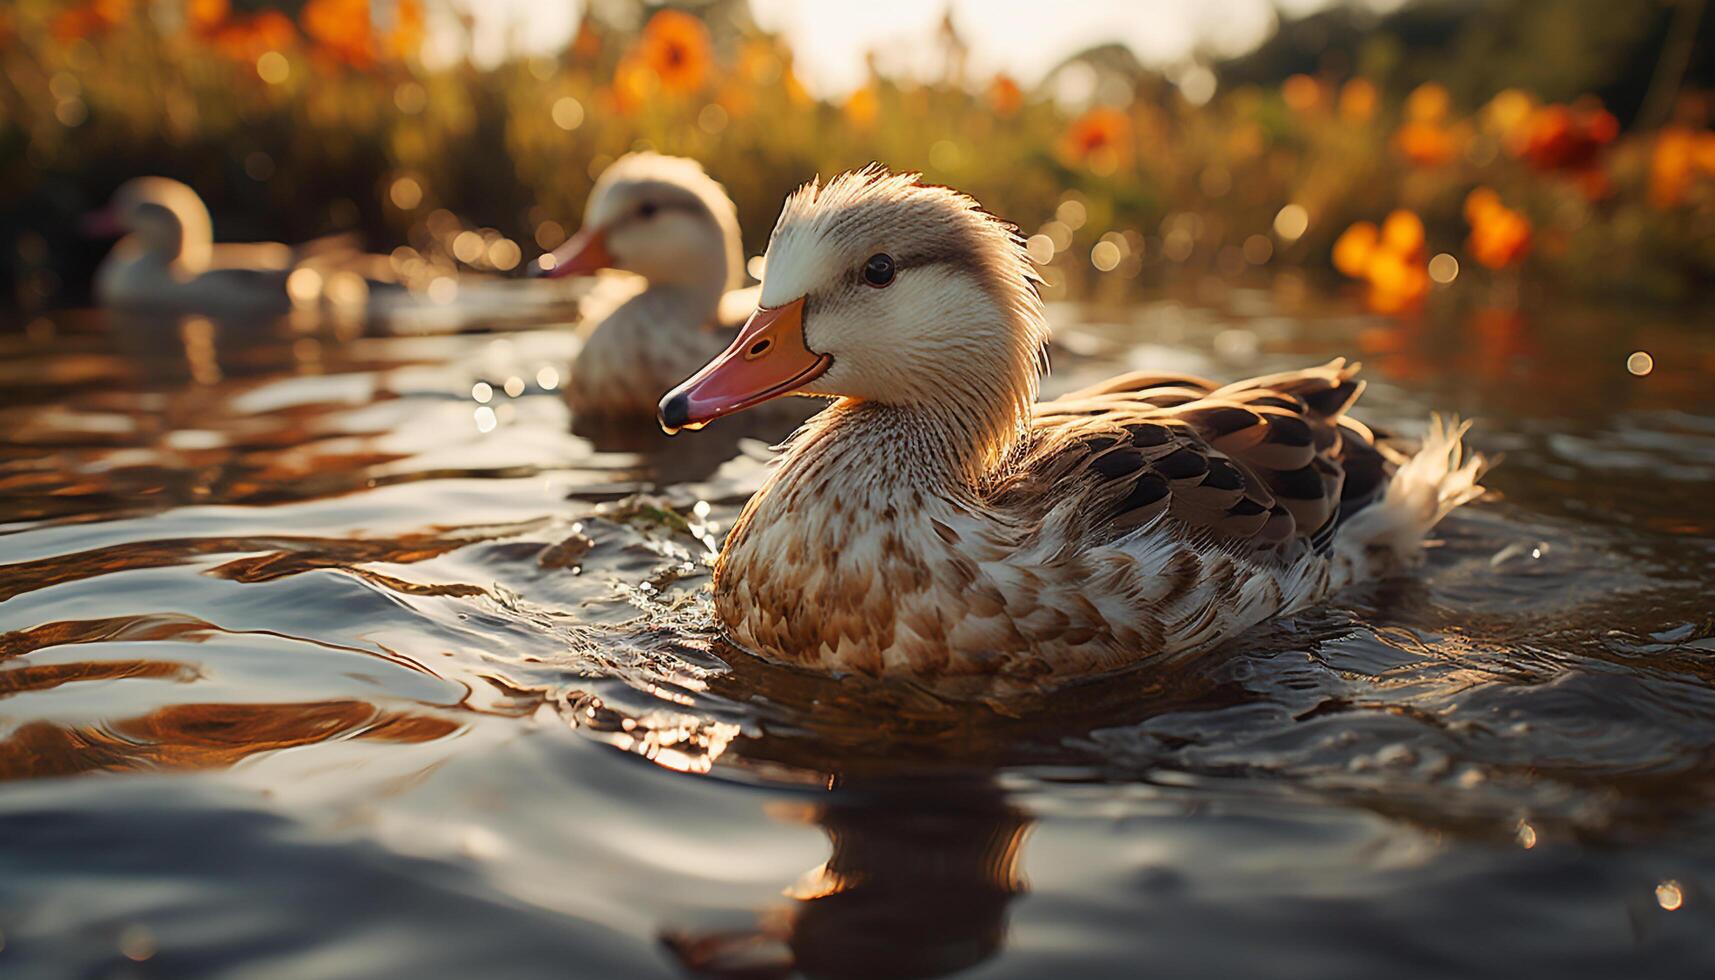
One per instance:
(332,650)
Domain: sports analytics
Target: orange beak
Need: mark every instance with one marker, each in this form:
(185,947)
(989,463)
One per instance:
(769,359)
(583,254)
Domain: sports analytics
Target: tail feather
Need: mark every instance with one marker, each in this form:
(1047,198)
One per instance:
(1442,475)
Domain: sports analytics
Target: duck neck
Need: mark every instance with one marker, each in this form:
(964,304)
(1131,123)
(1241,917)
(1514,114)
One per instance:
(938,450)
(675,306)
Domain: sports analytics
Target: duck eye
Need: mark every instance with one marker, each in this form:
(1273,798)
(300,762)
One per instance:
(646,210)
(879,270)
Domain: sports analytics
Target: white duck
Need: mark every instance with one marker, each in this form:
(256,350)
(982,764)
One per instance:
(936,524)
(669,222)
(168,261)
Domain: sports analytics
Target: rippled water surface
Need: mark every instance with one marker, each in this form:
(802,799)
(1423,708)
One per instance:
(313,663)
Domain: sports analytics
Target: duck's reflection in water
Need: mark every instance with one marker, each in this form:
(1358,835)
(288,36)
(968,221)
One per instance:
(917,885)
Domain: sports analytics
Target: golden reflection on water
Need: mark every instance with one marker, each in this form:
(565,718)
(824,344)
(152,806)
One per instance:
(204,736)
(917,884)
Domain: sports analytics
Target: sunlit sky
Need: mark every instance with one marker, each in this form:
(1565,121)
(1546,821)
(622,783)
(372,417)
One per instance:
(1025,38)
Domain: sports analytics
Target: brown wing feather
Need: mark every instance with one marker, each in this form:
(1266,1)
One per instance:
(1269,461)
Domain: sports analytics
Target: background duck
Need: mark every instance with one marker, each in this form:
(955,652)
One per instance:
(937,524)
(168,261)
(669,222)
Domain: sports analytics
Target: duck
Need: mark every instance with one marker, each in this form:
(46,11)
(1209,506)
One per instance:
(664,219)
(937,524)
(168,261)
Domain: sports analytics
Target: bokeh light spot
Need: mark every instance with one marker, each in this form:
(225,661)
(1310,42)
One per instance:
(1105,256)
(405,193)
(1443,268)
(273,68)
(1669,895)
(1291,222)
(1640,363)
(568,113)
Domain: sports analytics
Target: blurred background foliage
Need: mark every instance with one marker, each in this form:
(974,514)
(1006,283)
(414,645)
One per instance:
(1552,144)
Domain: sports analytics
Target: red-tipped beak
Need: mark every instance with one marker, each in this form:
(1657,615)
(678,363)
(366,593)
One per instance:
(101,224)
(769,359)
(583,254)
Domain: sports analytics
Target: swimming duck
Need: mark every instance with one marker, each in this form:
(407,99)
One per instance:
(669,222)
(168,261)
(936,523)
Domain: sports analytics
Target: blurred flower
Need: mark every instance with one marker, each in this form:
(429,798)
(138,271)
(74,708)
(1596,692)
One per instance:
(675,46)
(88,19)
(1677,157)
(1428,103)
(408,30)
(1425,138)
(203,17)
(1004,95)
(1426,144)
(862,107)
(249,38)
(1358,99)
(1389,259)
(1500,236)
(341,30)
(1100,139)
(1352,249)
(1301,93)
(1506,115)
(1402,232)
(1558,137)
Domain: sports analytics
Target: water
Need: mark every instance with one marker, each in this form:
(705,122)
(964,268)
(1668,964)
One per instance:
(304,673)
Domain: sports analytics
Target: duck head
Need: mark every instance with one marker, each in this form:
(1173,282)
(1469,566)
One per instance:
(658,216)
(882,288)
(163,218)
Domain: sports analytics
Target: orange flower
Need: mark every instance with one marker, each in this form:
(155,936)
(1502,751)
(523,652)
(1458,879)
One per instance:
(250,38)
(341,30)
(1500,236)
(1397,284)
(1428,103)
(204,17)
(675,46)
(1301,93)
(862,107)
(1389,259)
(1100,139)
(1670,166)
(1479,203)
(408,29)
(1558,137)
(1402,233)
(1358,100)
(1005,95)
(1426,144)
(1352,249)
